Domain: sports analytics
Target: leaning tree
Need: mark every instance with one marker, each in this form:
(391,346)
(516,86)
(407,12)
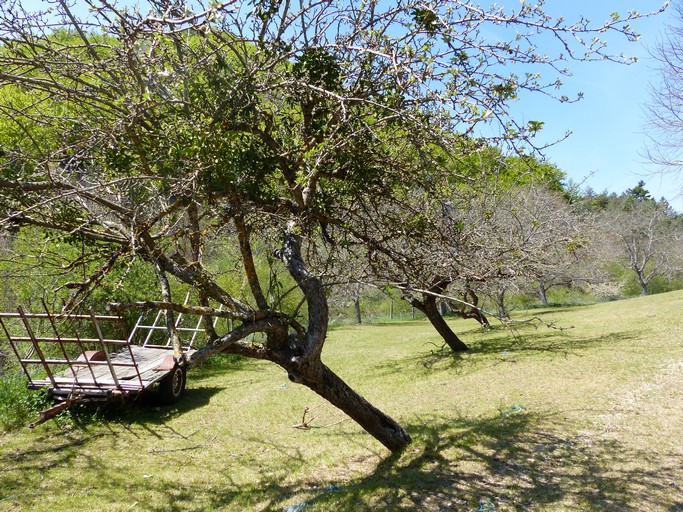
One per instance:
(147,136)
(405,242)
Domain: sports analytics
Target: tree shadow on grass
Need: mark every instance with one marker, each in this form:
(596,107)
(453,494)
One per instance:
(510,461)
(498,350)
(144,409)
(556,342)
(551,309)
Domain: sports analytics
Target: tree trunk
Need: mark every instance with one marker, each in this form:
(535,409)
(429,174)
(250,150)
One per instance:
(429,308)
(328,385)
(500,300)
(302,361)
(643,283)
(472,310)
(542,292)
(479,317)
(356,305)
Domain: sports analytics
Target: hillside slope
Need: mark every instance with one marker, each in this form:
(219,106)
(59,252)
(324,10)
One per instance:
(579,409)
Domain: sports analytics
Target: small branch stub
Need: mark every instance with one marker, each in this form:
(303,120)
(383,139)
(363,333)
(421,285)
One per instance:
(305,425)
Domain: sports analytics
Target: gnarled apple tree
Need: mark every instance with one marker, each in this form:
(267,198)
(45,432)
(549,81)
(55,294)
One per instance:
(145,136)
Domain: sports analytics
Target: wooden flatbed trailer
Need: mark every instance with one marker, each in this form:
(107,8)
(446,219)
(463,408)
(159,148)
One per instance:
(88,357)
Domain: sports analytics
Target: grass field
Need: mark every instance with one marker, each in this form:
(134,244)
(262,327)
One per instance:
(583,415)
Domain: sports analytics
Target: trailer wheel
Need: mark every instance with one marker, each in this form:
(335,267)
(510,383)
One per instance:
(172,387)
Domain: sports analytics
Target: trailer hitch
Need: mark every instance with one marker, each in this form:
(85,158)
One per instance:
(51,412)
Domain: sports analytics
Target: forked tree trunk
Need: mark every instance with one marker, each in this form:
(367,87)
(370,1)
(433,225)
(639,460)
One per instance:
(642,281)
(480,317)
(471,309)
(500,301)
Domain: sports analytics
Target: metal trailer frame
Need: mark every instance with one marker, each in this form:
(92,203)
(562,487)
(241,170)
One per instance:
(105,368)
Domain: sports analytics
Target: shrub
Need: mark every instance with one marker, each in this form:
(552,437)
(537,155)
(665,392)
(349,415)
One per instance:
(18,404)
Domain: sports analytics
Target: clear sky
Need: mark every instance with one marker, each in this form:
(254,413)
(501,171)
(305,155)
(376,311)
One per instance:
(609,125)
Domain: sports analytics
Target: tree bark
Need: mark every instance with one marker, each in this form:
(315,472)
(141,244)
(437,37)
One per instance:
(302,358)
(473,311)
(169,316)
(478,316)
(429,307)
(248,261)
(356,305)
(319,378)
(542,292)
(500,301)
(643,283)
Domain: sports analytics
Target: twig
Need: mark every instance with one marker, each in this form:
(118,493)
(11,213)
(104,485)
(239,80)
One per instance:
(335,423)
(537,319)
(193,447)
(305,425)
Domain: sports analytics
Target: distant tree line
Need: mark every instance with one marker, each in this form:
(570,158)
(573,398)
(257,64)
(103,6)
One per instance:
(514,241)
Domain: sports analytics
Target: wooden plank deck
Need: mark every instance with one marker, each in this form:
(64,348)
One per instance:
(98,374)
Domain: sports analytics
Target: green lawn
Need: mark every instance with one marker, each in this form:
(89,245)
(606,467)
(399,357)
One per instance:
(583,415)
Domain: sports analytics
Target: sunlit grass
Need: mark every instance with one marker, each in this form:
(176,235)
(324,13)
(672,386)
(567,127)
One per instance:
(582,415)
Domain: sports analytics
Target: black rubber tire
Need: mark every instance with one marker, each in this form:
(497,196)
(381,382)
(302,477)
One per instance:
(172,387)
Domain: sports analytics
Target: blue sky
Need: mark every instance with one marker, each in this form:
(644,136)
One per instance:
(608,126)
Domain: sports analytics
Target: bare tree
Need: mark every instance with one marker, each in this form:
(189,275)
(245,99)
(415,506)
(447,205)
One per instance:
(665,112)
(409,244)
(471,242)
(642,235)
